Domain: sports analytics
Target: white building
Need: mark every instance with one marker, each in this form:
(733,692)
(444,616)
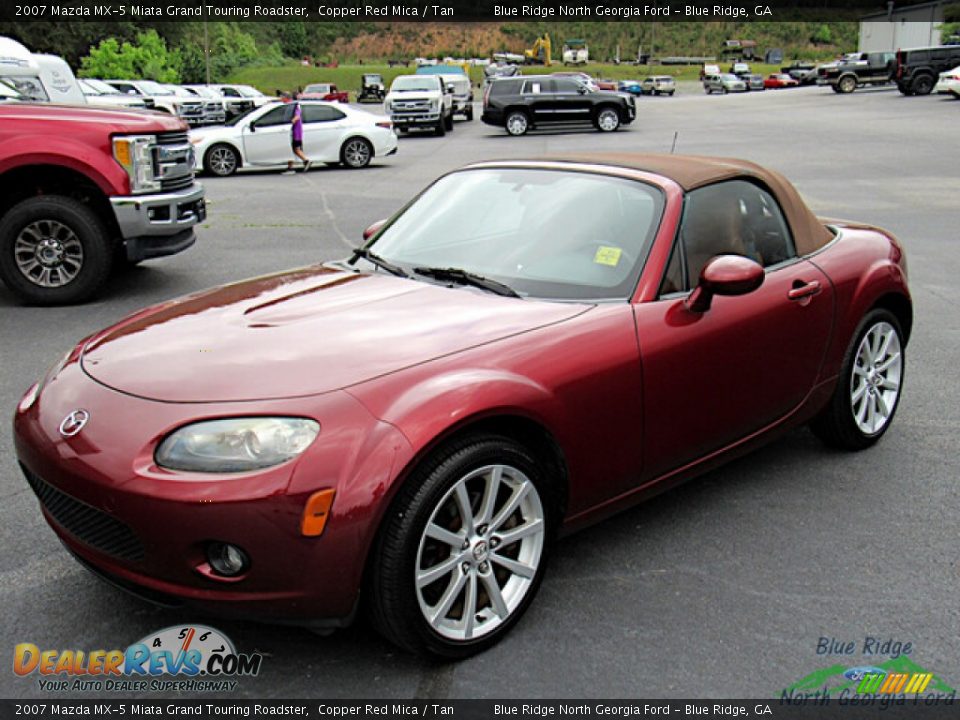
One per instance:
(909,26)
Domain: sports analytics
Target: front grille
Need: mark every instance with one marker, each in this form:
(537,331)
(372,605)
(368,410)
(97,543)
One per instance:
(89,525)
(172,138)
(178,183)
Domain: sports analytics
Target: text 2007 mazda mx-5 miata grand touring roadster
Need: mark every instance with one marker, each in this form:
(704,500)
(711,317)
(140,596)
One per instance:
(525,348)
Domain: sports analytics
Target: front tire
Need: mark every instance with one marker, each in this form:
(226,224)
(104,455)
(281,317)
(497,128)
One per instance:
(54,251)
(463,548)
(868,389)
(607,120)
(221,160)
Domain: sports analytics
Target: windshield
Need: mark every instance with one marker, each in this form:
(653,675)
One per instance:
(7,92)
(413,83)
(29,87)
(237,118)
(528,229)
(98,87)
(730,78)
(248,91)
(154,88)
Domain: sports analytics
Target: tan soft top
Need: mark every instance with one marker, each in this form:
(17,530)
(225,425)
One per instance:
(693,171)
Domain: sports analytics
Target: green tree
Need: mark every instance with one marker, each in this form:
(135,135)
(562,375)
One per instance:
(822,36)
(147,58)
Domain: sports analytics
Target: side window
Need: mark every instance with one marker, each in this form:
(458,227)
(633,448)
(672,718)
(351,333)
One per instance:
(567,86)
(321,113)
(229,92)
(277,116)
(729,218)
(538,87)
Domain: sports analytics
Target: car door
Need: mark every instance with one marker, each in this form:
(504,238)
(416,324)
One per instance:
(538,96)
(711,379)
(266,140)
(571,100)
(323,126)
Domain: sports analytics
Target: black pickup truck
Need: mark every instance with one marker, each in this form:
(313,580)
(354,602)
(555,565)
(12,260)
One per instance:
(875,68)
(521,103)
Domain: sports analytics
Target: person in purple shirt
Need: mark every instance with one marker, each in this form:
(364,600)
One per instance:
(296,139)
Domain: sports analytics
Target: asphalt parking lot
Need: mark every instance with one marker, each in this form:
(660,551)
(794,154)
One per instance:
(721,588)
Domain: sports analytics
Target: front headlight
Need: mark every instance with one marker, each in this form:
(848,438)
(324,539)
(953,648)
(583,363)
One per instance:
(135,155)
(236,444)
(434,105)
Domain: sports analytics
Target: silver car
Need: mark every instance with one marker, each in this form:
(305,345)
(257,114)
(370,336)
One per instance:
(724,83)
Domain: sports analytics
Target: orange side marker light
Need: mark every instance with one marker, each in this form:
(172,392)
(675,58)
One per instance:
(316,512)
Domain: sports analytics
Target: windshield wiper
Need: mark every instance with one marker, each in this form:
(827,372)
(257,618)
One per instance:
(378,261)
(464,277)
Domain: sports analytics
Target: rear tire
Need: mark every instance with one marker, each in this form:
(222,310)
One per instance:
(54,251)
(221,160)
(517,123)
(356,153)
(446,519)
(922,85)
(869,387)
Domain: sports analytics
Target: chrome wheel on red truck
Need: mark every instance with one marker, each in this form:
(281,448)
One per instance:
(53,250)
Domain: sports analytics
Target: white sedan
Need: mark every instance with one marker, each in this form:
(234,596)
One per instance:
(950,82)
(333,133)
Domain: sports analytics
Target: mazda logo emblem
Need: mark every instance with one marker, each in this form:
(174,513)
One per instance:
(74,422)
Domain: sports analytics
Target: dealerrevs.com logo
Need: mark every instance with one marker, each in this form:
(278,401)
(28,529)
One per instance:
(192,658)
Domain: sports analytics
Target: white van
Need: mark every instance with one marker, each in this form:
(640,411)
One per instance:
(45,78)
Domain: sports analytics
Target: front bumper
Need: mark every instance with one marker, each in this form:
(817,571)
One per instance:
(158,225)
(415,119)
(146,529)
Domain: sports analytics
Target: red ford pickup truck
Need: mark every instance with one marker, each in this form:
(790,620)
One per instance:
(83,188)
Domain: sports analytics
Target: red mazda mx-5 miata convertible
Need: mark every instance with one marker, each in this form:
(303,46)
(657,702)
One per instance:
(525,348)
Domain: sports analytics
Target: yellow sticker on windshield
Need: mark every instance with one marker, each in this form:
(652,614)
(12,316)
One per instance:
(607,256)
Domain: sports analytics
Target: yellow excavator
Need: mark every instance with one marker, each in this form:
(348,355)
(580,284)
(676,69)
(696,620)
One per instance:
(539,54)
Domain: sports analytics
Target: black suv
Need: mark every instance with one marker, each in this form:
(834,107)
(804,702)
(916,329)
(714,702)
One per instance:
(917,69)
(529,101)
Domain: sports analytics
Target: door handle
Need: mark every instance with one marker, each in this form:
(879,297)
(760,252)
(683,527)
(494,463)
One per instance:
(803,290)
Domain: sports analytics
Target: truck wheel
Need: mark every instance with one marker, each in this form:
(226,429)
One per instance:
(440,129)
(847,84)
(517,123)
(607,120)
(356,153)
(448,123)
(54,251)
(922,85)
(221,160)
(469,113)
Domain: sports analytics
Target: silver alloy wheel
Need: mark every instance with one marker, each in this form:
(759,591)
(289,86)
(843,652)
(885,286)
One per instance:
(479,552)
(356,153)
(223,161)
(48,253)
(517,123)
(607,120)
(876,377)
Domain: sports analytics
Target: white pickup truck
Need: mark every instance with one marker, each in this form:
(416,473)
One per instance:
(420,101)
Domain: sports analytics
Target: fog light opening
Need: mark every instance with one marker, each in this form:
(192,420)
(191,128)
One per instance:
(226,559)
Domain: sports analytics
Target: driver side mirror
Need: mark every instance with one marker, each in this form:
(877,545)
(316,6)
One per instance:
(582,90)
(725,275)
(450,89)
(373,229)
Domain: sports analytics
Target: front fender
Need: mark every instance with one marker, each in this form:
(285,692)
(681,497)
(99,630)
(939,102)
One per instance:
(92,161)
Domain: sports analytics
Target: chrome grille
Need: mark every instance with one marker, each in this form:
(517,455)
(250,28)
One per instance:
(89,525)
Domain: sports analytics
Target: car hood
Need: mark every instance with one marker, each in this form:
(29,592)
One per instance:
(205,135)
(302,332)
